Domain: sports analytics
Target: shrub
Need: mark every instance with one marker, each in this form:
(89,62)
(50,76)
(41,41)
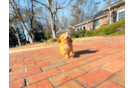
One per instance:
(105,29)
(123,28)
(91,32)
(109,28)
(73,34)
(51,40)
(81,33)
(117,33)
(104,25)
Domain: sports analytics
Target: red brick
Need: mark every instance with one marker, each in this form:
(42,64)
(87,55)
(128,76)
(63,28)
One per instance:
(28,61)
(58,60)
(12,64)
(108,58)
(37,66)
(73,59)
(104,54)
(70,66)
(109,84)
(16,72)
(92,65)
(66,76)
(71,84)
(39,59)
(25,74)
(63,56)
(52,66)
(115,65)
(114,50)
(20,60)
(42,84)
(94,78)
(121,53)
(17,84)
(45,61)
(17,63)
(43,75)
(90,59)
(21,67)
(119,78)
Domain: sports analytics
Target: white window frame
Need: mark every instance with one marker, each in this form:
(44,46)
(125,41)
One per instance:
(81,27)
(121,10)
(98,24)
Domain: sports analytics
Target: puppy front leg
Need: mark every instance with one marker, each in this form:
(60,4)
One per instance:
(67,56)
(71,51)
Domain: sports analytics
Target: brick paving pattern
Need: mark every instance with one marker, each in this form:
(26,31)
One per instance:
(94,65)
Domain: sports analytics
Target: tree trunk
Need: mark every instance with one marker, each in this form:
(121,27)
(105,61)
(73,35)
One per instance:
(33,37)
(24,35)
(30,39)
(18,38)
(17,34)
(53,29)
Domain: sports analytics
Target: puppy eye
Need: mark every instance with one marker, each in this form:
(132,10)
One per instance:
(62,37)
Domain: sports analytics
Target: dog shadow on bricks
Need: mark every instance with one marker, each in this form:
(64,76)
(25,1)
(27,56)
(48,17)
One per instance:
(78,53)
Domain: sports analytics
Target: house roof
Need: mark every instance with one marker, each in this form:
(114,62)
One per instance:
(61,31)
(114,4)
(94,17)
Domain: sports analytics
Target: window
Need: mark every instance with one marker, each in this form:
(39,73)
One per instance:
(96,23)
(84,28)
(71,30)
(114,13)
(121,14)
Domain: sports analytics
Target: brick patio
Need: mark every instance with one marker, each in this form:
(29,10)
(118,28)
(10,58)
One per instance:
(94,65)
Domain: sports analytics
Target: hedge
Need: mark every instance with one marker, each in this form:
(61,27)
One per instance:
(105,29)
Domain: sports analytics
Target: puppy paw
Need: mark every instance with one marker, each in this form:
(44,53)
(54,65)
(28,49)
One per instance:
(66,56)
(71,53)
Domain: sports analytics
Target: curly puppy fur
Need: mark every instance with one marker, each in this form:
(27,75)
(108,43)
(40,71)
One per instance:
(65,45)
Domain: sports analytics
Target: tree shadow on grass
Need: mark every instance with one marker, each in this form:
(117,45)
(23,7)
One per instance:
(78,53)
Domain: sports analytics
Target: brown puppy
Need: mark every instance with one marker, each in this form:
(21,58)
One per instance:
(65,45)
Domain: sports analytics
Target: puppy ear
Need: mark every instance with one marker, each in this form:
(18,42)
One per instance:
(59,39)
(70,38)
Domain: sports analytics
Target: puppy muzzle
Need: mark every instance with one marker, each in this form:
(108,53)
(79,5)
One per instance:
(65,39)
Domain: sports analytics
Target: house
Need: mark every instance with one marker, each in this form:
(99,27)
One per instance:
(61,31)
(108,15)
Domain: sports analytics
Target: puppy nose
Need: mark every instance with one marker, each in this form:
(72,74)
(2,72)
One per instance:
(65,38)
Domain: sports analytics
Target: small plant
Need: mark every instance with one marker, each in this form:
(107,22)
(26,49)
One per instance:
(28,44)
(58,36)
(51,40)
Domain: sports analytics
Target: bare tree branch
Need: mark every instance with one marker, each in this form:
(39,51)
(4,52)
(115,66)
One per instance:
(40,3)
(65,5)
(37,16)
